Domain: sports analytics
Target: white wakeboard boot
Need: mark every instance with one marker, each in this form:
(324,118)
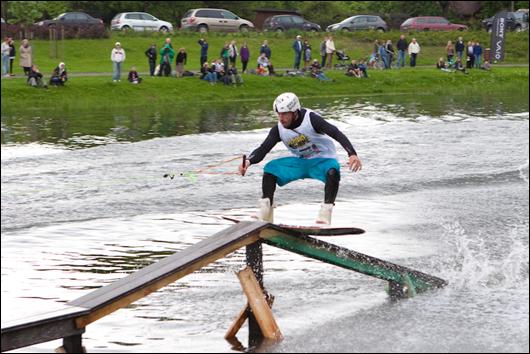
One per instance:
(266,210)
(324,215)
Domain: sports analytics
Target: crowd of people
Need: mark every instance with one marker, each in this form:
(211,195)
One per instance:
(459,56)
(35,78)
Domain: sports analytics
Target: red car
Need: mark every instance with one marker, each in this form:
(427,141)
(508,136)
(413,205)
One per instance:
(430,23)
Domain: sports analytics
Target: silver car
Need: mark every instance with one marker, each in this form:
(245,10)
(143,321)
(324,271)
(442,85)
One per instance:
(204,20)
(359,22)
(139,21)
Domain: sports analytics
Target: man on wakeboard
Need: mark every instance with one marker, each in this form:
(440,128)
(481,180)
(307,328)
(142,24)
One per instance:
(308,136)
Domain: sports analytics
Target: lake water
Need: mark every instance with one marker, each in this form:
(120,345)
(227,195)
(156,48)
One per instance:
(444,190)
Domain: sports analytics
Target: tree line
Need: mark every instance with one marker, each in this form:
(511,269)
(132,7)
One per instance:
(321,12)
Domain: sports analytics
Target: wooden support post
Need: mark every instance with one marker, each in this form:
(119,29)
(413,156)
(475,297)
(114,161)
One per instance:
(254,255)
(259,306)
(72,344)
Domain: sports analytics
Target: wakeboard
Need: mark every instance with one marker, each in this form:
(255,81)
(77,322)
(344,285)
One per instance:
(324,230)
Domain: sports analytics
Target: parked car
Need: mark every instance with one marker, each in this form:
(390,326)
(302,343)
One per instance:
(359,22)
(73,19)
(430,23)
(204,20)
(281,23)
(515,21)
(139,21)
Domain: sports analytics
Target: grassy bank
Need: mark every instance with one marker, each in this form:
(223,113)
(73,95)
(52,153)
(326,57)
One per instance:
(94,55)
(100,93)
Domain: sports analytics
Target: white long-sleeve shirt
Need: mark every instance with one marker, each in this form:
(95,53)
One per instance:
(5,49)
(117,55)
(414,48)
(330,46)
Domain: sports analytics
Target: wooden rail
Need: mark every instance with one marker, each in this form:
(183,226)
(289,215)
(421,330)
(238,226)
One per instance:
(69,323)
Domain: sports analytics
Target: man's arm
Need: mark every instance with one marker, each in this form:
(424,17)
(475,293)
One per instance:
(258,154)
(323,127)
(272,139)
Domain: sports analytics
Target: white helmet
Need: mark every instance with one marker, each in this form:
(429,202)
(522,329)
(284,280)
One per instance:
(286,102)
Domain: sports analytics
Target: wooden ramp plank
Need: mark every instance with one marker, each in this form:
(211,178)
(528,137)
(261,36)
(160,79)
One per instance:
(153,277)
(343,257)
(42,327)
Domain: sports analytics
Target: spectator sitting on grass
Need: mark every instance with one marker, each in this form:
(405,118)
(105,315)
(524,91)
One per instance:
(486,65)
(271,69)
(263,65)
(134,78)
(363,68)
(317,73)
(353,69)
(35,77)
(441,65)
(460,67)
(208,73)
(234,76)
(59,75)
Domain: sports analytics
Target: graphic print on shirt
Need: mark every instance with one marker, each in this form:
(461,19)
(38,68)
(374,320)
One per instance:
(305,142)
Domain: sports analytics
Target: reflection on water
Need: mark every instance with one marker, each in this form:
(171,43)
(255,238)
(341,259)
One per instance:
(98,127)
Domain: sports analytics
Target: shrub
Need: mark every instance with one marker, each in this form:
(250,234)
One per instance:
(20,31)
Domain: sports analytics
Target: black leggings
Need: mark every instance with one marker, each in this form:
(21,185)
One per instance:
(330,190)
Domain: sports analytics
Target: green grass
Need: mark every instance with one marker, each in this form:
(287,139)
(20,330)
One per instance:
(93,55)
(100,93)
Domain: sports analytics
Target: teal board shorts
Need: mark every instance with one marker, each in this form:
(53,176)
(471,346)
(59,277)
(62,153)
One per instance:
(289,169)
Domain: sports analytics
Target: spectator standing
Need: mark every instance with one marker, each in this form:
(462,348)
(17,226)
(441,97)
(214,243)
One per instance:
(181,60)
(59,75)
(225,54)
(204,51)
(26,56)
(117,56)
(330,50)
(265,49)
(297,47)
(460,46)
(477,53)
(402,47)
(151,58)
(383,55)
(5,56)
(450,51)
(389,48)
(232,53)
(414,50)
(470,55)
(12,54)
(323,51)
(307,54)
(166,58)
(133,76)
(244,53)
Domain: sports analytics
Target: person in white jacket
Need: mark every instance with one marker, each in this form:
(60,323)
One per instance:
(6,49)
(330,49)
(414,49)
(117,56)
